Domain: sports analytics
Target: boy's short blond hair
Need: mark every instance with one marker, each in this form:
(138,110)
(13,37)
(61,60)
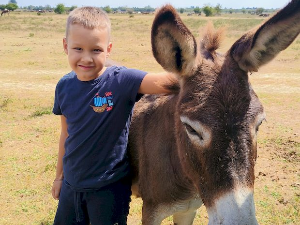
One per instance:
(89,17)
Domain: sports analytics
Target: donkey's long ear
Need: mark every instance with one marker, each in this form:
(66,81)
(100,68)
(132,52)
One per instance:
(173,45)
(257,48)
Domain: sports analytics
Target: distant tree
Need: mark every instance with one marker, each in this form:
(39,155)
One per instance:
(123,8)
(130,11)
(259,11)
(243,11)
(13,1)
(181,10)
(2,7)
(107,9)
(197,10)
(72,8)
(11,6)
(60,9)
(148,8)
(208,10)
(230,11)
(218,9)
(30,7)
(47,7)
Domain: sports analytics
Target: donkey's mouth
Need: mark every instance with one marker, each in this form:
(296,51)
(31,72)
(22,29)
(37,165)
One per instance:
(233,208)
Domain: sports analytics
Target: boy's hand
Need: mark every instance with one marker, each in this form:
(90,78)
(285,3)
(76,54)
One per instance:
(56,189)
(153,83)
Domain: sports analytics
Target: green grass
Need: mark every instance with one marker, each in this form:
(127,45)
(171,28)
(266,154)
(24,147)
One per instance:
(42,111)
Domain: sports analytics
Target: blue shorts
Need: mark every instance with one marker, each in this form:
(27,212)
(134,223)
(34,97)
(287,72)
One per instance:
(106,206)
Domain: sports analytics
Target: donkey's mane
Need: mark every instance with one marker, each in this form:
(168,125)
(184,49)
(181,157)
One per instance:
(211,41)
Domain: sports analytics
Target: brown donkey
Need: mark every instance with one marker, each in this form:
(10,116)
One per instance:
(198,145)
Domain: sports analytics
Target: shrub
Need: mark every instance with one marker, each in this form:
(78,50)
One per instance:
(208,11)
(60,9)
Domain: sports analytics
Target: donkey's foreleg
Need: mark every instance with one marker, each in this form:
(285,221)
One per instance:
(154,215)
(186,212)
(186,218)
(151,217)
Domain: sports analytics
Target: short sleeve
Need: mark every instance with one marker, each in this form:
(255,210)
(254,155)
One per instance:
(56,107)
(133,79)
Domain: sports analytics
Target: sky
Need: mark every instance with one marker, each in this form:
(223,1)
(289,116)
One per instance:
(235,4)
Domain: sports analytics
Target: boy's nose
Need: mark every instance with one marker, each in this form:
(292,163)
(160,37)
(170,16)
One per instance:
(87,58)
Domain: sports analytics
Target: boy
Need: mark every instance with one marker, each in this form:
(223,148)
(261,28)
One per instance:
(95,104)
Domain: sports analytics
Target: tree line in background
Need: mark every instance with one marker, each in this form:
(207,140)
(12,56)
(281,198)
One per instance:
(207,10)
(11,5)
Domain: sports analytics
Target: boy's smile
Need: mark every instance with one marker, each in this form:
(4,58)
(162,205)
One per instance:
(87,50)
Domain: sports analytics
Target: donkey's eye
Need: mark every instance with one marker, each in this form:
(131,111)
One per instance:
(192,131)
(198,133)
(259,120)
(257,126)
(259,123)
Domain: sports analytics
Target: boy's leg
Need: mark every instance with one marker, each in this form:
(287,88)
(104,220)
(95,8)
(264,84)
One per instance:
(110,205)
(70,209)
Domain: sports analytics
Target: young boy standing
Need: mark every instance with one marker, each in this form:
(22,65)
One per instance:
(95,104)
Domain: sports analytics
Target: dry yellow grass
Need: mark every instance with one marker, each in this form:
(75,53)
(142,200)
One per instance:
(31,63)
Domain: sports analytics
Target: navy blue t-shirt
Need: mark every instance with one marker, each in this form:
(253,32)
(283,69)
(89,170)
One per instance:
(98,116)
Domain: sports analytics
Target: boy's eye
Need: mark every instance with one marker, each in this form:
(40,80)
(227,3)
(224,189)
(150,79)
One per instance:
(97,50)
(78,49)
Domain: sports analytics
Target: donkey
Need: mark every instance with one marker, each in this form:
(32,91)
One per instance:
(5,11)
(198,144)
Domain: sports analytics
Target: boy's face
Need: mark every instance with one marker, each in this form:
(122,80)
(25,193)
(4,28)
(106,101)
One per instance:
(87,50)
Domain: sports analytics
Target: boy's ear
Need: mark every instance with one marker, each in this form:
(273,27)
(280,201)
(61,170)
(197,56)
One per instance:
(65,45)
(109,47)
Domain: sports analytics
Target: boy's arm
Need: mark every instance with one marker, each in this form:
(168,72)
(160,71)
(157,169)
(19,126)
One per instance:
(153,83)
(61,152)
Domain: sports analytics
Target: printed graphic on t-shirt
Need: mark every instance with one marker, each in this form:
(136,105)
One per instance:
(104,103)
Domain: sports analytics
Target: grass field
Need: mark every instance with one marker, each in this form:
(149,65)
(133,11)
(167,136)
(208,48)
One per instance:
(32,61)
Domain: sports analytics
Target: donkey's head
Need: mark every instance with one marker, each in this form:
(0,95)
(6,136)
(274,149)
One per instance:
(218,113)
